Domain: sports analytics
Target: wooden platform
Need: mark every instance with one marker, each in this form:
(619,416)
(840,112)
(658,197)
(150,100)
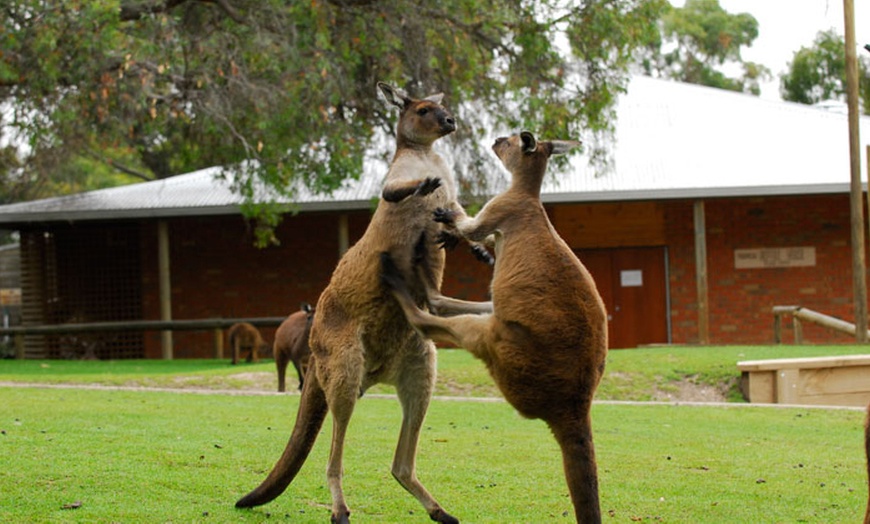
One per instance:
(825,381)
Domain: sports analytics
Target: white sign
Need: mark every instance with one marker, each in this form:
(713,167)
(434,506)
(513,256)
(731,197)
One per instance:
(774,257)
(631,278)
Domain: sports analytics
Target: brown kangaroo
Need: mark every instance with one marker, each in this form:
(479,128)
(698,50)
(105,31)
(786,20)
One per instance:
(545,342)
(359,335)
(291,344)
(245,337)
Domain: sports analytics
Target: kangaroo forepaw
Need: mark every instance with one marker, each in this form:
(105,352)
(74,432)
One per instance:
(482,254)
(428,185)
(439,515)
(447,240)
(445,216)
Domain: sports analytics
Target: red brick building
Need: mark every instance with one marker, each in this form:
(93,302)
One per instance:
(762,186)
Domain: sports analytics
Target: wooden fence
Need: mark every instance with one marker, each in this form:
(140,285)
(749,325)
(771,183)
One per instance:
(801,314)
(216,325)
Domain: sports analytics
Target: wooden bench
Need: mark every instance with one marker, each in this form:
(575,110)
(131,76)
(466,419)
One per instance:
(826,381)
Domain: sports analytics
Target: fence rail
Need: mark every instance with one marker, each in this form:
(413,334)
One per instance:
(217,325)
(800,314)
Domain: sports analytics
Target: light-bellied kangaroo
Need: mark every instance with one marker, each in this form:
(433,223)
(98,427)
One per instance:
(545,343)
(359,336)
(291,344)
(245,337)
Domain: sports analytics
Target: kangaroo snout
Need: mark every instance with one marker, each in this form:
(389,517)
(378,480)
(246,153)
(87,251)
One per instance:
(448,124)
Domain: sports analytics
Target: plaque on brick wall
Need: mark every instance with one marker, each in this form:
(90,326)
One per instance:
(774,257)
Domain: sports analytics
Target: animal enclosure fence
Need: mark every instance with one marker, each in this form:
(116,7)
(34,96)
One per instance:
(96,279)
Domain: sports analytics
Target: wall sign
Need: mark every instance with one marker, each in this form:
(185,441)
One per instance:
(767,257)
(631,278)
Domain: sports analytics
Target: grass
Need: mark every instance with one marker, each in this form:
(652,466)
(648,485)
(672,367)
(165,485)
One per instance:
(640,374)
(157,456)
(146,456)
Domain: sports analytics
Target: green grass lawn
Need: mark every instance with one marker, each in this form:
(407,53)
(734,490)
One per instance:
(638,374)
(154,456)
(146,456)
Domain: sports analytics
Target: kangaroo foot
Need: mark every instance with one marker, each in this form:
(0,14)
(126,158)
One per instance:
(343,518)
(439,515)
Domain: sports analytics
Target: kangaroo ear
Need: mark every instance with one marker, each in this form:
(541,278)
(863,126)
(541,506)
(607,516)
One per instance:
(435,99)
(560,147)
(529,142)
(394,95)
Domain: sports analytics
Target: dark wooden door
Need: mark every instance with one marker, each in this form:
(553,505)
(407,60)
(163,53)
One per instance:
(633,284)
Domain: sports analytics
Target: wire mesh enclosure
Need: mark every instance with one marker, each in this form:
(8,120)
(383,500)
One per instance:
(82,274)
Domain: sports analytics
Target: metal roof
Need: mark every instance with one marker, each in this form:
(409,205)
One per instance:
(672,140)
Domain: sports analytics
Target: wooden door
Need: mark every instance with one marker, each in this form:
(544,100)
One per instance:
(633,284)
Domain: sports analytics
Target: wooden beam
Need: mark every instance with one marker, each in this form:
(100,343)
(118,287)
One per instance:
(859,279)
(163,276)
(343,235)
(701,272)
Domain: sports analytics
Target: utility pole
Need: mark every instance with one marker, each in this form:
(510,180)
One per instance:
(859,278)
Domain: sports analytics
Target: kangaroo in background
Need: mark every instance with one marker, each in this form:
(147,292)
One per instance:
(245,337)
(359,335)
(291,344)
(545,342)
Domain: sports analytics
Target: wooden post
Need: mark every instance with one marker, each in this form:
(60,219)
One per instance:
(701,272)
(798,330)
(859,279)
(19,346)
(218,343)
(777,328)
(163,276)
(343,235)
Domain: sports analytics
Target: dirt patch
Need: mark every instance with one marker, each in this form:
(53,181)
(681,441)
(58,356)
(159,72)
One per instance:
(689,391)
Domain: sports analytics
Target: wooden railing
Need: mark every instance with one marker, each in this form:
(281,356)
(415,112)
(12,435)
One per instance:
(800,314)
(216,325)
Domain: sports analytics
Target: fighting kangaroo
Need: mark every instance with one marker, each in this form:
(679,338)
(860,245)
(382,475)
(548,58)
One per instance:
(291,344)
(545,342)
(243,337)
(359,336)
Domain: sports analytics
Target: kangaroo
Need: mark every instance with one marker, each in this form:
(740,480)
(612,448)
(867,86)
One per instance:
(359,335)
(545,342)
(291,344)
(244,336)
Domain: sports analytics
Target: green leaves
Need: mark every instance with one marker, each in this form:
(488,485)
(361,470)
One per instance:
(818,73)
(289,87)
(702,37)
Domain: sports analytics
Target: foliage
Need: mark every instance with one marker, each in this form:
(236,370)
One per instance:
(701,37)
(133,456)
(818,73)
(157,88)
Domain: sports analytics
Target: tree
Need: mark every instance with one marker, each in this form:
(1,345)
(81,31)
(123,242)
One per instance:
(154,88)
(818,73)
(703,37)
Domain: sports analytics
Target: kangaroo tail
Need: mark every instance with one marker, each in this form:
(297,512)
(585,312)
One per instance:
(309,419)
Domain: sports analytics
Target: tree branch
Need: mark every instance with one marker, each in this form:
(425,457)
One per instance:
(131,11)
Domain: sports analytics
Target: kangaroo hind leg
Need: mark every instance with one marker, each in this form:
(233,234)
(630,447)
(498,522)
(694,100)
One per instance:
(414,389)
(574,435)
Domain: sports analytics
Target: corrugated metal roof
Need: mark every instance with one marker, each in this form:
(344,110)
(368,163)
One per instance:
(672,140)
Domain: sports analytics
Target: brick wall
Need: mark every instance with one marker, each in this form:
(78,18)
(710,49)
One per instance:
(209,252)
(741,299)
(217,272)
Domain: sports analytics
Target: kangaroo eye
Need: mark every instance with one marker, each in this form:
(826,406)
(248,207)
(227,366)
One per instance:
(422,111)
